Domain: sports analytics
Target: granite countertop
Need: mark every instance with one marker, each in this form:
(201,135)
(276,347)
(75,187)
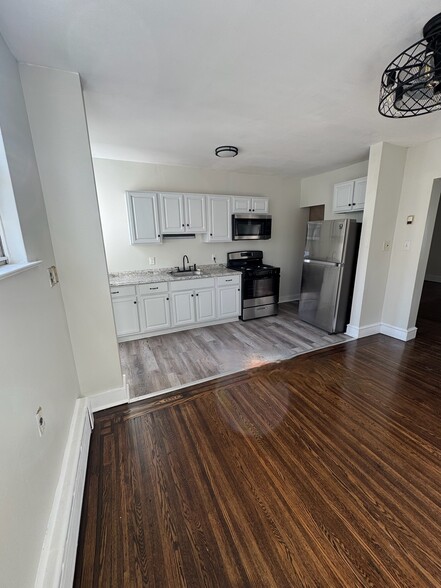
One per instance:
(163,275)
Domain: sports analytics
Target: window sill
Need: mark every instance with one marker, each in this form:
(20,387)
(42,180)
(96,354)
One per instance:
(10,269)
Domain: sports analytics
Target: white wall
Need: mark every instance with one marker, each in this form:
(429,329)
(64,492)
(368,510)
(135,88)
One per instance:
(433,271)
(419,197)
(54,101)
(383,191)
(37,366)
(284,249)
(319,189)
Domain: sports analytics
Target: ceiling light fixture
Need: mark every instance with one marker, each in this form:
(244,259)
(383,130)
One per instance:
(226,151)
(411,83)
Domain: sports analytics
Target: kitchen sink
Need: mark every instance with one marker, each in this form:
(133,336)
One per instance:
(182,274)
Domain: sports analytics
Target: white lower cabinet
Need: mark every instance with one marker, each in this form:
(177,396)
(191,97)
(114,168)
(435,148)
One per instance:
(191,304)
(169,306)
(183,308)
(126,315)
(205,305)
(155,312)
(228,301)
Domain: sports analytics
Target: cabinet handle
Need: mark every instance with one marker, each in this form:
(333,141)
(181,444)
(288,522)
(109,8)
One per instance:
(249,210)
(116,292)
(253,209)
(211,234)
(238,289)
(188,224)
(197,294)
(167,298)
(230,280)
(134,302)
(156,288)
(159,236)
(183,225)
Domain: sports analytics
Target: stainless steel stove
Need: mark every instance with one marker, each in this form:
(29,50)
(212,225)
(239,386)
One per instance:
(260,284)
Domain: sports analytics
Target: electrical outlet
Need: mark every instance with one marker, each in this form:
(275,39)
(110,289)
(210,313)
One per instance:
(152,260)
(213,258)
(386,245)
(41,423)
(53,275)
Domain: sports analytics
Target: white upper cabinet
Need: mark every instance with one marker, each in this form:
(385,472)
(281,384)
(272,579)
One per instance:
(195,213)
(359,194)
(182,213)
(171,210)
(242,204)
(142,211)
(350,196)
(219,218)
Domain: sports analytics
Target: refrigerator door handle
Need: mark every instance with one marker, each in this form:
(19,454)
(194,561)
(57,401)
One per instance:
(330,263)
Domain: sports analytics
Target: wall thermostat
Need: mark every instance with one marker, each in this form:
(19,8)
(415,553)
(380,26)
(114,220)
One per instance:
(410,219)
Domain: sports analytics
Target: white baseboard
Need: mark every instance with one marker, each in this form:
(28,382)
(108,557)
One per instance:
(289,298)
(398,333)
(366,331)
(384,329)
(110,397)
(433,278)
(57,562)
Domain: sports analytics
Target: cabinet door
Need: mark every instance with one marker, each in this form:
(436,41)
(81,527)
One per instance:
(205,305)
(241,204)
(219,218)
(343,194)
(259,205)
(359,194)
(195,218)
(228,302)
(142,210)
(155,312)
(171,207)
(183,308)
(125,311)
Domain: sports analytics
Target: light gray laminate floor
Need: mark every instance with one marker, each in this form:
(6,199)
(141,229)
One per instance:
(166,361)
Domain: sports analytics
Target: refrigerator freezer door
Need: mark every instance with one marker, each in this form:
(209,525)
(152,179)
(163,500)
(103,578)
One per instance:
(319,296)
(326,240)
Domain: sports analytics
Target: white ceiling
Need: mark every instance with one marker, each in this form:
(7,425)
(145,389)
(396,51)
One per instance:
(293,84)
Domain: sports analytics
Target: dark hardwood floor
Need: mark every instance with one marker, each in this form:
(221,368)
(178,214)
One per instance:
(323,470)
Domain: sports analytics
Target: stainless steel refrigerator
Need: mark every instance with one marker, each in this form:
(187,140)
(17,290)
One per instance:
(328,273)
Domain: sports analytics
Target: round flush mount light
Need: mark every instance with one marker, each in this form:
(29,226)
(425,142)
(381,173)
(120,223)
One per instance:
(226,151)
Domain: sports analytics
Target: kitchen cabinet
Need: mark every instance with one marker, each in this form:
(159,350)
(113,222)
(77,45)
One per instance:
(155,312)
(183,308)
(350,196)
(154,306)
(142,212)
(193,301)
(219,218)
(243,204)
(228,297)
(205,301)
(182,213)
(125,310)
(160,307)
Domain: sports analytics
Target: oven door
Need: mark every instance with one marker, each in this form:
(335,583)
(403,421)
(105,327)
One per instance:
(260,290)
(251,226)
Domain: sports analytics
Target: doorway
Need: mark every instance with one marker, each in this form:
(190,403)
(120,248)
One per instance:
(429,310)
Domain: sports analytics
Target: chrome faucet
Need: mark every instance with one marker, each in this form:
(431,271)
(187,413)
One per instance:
(183,262)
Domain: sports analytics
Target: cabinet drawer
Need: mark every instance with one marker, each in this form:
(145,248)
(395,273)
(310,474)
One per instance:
(153,288)
(228,280)
(196,284)
(118,291)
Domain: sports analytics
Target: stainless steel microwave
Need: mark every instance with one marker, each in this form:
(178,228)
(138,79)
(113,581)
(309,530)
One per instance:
(251,226)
